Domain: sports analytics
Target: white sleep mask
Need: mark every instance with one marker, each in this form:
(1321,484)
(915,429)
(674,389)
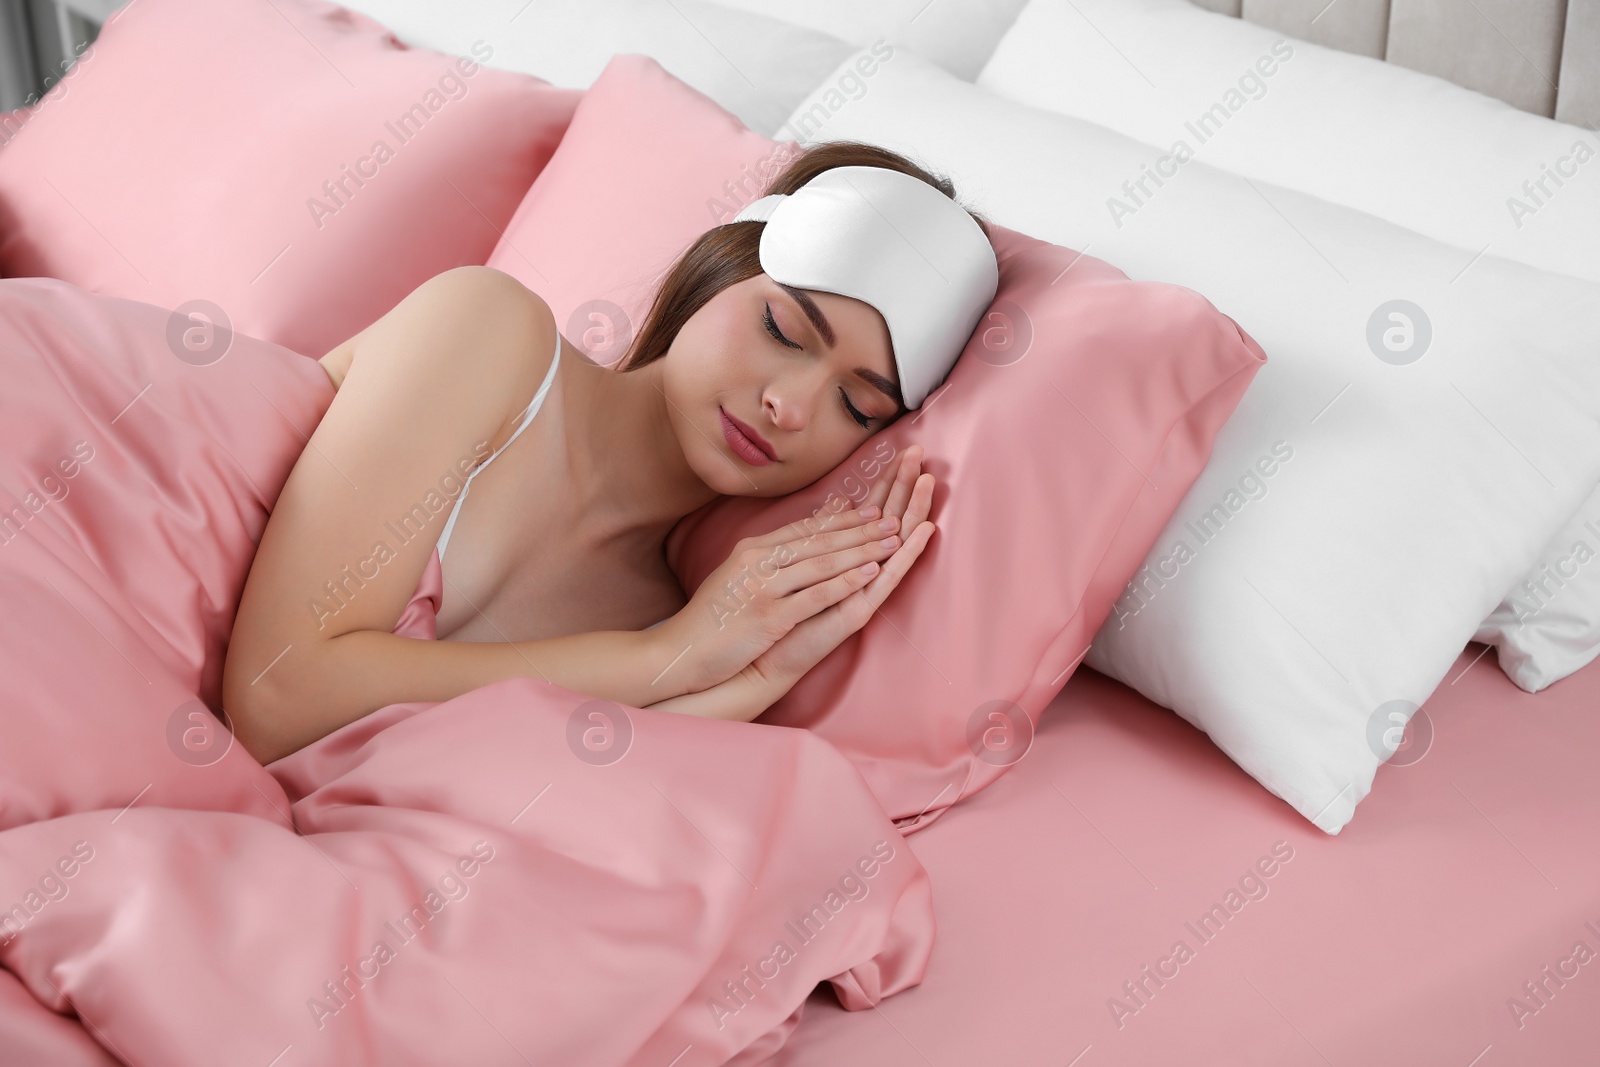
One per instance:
(893,241)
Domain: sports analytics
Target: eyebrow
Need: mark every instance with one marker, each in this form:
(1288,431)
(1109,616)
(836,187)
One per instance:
(825,328)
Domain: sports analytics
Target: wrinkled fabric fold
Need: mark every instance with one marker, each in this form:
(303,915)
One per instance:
(434,883)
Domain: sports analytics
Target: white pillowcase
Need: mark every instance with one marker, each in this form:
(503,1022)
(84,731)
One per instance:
(1408,147)
(1372,511)
(1404,146)
(1549,625)
(756,67)
(959,35)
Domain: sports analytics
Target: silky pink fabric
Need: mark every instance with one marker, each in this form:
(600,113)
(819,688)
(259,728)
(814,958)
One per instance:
(466,881)
(1410,938)
(1081,411)
(289,162)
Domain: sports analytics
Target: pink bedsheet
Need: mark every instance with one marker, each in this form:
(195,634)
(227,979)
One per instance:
(434,883)
(1407,940)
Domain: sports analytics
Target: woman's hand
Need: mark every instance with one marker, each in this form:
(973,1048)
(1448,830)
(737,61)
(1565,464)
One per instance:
(775,671)
(796,587)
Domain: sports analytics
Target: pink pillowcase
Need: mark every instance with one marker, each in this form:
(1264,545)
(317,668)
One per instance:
(288,161)
(1078,416)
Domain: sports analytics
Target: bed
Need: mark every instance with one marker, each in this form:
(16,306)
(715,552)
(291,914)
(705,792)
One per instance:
(1125,889)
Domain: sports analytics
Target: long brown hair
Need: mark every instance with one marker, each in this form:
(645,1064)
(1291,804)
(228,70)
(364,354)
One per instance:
(730,253)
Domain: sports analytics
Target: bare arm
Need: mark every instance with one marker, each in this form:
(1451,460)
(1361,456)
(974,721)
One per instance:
(423,394)
(739,699)
(341,679)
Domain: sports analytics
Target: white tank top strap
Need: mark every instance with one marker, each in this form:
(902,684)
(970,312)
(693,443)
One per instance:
(527,417)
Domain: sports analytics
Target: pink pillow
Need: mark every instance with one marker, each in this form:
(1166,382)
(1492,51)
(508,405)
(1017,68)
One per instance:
(1080,413)
(230,153)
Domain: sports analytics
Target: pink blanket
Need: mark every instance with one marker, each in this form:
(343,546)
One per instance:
(463,882)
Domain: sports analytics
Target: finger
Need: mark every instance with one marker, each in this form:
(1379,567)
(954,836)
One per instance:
(821,568)
(904,479)
(809,526)
(819,597)
(880,489)
(921,503)
(819,544)
(786,569)
(877,590)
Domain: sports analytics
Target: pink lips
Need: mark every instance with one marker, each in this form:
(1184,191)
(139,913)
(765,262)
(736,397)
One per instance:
(745,441)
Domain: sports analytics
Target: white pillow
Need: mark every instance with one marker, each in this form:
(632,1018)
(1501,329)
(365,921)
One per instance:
(1404,146)
(958,35)
(1408,147)
(1549,625)
(754,66)
(1375,511)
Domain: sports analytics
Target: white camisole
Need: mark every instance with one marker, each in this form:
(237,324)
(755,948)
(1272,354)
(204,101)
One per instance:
(527,417)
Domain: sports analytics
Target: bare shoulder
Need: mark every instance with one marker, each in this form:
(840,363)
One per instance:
(487,304)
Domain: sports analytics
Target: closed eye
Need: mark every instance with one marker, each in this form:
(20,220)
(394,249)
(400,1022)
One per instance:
(861,418)
(772,328)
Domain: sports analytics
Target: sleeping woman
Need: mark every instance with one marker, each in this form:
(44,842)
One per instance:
(776,345)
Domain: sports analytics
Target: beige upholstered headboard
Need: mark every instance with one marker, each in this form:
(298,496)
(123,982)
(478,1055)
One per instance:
(1540,55)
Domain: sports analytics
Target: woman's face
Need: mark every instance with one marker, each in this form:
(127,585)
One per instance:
(813,386)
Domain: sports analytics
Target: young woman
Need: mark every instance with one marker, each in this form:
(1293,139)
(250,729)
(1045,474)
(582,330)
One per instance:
(553,564)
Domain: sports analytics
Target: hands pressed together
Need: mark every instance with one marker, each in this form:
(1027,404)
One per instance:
(782,601)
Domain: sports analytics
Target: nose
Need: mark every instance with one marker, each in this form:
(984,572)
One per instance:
(790,400)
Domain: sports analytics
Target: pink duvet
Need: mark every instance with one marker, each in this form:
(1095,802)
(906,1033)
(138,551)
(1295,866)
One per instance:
(463,882)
